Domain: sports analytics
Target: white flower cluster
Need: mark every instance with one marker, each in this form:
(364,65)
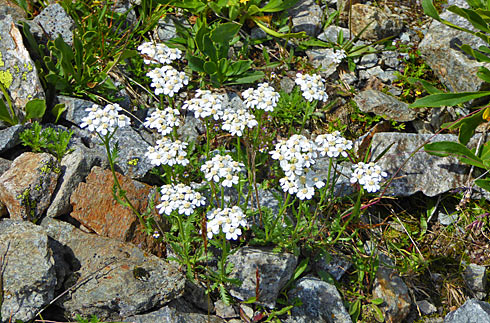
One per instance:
(159,53)
(205,104)
(180,198)
(368,175)
(163,120)
(263,98)
(295,156)
(168,152)
(235,121)
(312,86)
(106,120)
(338,56)
(332,145)
(229,220)
(167,80)
(222,169)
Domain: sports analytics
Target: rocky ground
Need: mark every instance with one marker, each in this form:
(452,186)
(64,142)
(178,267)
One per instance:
(67,248)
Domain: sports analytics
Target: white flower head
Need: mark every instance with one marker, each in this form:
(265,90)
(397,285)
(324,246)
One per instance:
(369,176)
(263,98)
(180,198)
(167,80)
(312,86)
(104,120)
(227,220)
(222,169)
(159,53)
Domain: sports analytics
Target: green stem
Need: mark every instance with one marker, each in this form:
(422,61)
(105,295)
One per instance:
(281,212)
(184,243)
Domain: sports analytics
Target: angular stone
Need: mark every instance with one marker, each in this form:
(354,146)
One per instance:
(26,188)
(74,168)
(109,278)
(274,271)
(431,175)
(324,59)
(334,265)
(331,34)
(306,16)
(394,292)
(18,73)
(426,307)
(9,137)
(475,277)
(321,301)
(471,311)
(26,270)
(94,205)
(439,49)
(382,26)
(173,314)
(384,105)
(52,22)
(75,108)
(8,7)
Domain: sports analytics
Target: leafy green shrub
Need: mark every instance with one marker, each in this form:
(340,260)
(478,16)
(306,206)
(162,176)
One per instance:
(48,139)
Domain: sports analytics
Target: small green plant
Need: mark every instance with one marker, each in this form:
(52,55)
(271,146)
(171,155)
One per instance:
(34,109)
(92,319)
(48,139)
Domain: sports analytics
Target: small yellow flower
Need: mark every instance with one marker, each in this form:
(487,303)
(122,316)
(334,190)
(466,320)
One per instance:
(486,114)
(243,1)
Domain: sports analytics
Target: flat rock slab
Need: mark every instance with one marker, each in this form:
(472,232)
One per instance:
(394,292)
(384,105)
(95,207)
(321,301)
(109,278)
(431,175)
(9,137)
(471,311)
(27,270)
(27,186)
(306,16)
(440,51)
(274,270)
(18,74)
(382,26)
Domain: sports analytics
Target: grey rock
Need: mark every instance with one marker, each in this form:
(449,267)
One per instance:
(18,73)
(74,168)
(323,58)
(4,165)
(447,219)
(166,29)
(475,277)
(223,310)
(452,66)
(75,108)
(191,129)
(109,278)
(306,16)
(390,59)
(335,265)
(349,78)
(383,25)
(287,84)
(257,33)
(368,61)
(274,270)
(27,270)
(393,290)
(331,34)
(386,76)
(426,307)
(384,105)
(431,175)
(9,137)
(196,294)
(11,8)
(131,147)
(173,314)
(52,22)
(321,301)
(471,311)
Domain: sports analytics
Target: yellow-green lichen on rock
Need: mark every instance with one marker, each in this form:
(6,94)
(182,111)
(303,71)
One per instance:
(2,64)
(6,78)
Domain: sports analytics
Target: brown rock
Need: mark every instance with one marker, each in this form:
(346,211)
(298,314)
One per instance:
(381,25)
(94,206)
(393,290)
(27,186)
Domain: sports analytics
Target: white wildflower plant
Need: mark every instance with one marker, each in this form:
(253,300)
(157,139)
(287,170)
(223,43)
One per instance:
(222,169)
(369,176)
(180,198)
(312,86)
(264,97)
(236,120)
(205,104)
(167,80)
(168,152)
(105,120)
(230,221)
(163,120)
(159,53)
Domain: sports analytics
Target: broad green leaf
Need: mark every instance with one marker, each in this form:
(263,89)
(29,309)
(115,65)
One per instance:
(58,110)
(431,89)
(484,74)
(447,99)
(430,10)
(471,16)
(377,301)
(483,183)
(35,109)
(446,148)
(252,10)
(276,34)
(479,56)
(278,5)
(5,115)
(195,63)
(378,314)
(248,78)
(468,125)
(209,48)
(300,269)
(210,68)
(223,65)
(239,67)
